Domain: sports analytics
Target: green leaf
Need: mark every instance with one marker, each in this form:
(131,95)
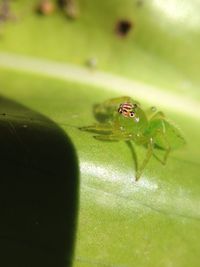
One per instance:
(152,222)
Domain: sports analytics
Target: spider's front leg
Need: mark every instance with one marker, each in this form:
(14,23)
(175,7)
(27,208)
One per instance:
(146,160)
(97,128)
(114,136)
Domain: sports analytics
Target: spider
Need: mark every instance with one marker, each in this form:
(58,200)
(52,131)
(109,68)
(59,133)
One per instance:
(123,119)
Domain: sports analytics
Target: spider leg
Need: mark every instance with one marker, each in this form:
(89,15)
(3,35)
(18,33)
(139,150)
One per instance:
(114,137)
(97,128)
(167,148)
(146,160)
(158,115)
(160,135)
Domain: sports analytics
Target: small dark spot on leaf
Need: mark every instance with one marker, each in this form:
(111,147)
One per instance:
(70,8)
(92,62)
(139,3)
(45,7)
(123,27)
(5,11)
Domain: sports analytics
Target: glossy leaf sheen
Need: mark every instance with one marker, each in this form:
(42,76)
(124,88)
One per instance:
(122,223)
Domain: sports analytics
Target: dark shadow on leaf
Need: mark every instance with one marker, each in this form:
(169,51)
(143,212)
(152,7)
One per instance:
(38,189)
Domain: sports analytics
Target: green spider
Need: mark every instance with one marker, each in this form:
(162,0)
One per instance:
(123,119)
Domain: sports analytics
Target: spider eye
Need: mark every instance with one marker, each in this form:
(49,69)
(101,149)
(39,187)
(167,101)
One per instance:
(132,114)
(135,105)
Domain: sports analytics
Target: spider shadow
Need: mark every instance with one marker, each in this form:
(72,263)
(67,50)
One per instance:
(39,189)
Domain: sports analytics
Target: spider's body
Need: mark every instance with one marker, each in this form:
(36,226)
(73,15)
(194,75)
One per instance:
(122,119)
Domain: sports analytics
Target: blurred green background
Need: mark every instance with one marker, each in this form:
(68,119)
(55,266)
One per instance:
(59,60)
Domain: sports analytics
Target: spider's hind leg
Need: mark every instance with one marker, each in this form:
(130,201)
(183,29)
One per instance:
(166,147)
